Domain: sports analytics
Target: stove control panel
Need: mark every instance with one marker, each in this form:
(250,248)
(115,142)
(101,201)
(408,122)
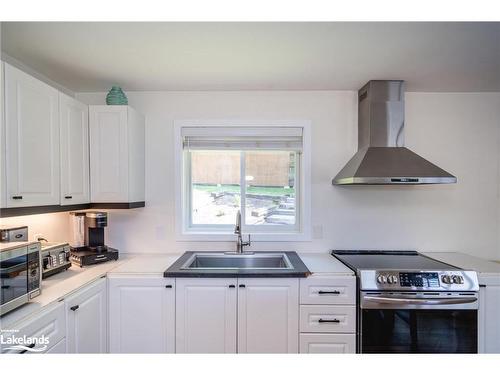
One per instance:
(420,279)
(425,280)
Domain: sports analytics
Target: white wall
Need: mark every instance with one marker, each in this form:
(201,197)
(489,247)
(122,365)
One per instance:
(459,131)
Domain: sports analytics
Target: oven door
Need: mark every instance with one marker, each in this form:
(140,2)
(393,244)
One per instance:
(13,278)
(418,323)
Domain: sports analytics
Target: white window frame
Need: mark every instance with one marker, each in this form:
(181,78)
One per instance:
(217,233)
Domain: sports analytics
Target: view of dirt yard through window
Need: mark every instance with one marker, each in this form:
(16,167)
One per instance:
(269,191)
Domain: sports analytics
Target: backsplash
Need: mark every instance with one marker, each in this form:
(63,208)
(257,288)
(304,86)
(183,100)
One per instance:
(54,227)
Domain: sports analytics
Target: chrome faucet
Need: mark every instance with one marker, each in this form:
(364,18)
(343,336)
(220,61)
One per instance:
(240,244)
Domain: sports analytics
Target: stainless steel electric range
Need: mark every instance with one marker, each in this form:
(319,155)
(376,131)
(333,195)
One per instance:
(410,303)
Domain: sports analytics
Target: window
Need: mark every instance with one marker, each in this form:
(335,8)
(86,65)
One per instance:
(257,170)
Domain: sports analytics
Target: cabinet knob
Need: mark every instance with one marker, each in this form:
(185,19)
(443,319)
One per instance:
(168,286)
(17,197)
(74,308)
(242,285)
(68,197)
(231,286)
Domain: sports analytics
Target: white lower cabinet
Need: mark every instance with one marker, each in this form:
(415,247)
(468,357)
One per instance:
(488,319)
(328,314)
(86,312)
(327,343)
(328,290)
(237,315)
(58,348)
(268,315)
(141,314)
(326,319)
(50,323)
(205,315)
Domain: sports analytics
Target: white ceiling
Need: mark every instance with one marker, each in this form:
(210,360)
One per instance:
(259,56)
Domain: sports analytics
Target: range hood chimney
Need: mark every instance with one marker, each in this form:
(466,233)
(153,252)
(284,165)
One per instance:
(382,158)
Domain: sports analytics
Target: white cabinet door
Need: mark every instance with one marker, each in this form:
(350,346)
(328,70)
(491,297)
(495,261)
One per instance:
(488,319)
(206,315)
(268,315)
(87,319)
(49,323)
(116,154)
(31,140)
(74,145)
(3,178)
(108,154)
(141,314)
(327,343)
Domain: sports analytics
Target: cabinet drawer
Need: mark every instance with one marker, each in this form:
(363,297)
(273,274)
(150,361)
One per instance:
(328,291)
(327,343)
(50,323)
(325,319)
(58,348)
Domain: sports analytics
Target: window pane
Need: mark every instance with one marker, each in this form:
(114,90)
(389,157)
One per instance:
(215,187)
(270,187)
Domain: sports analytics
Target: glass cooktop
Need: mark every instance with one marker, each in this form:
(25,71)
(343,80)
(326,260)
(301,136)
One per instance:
(389,260)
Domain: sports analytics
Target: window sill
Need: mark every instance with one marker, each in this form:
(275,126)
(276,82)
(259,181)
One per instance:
(231,237)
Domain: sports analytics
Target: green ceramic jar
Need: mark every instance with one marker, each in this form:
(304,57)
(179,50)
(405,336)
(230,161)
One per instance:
(116,96)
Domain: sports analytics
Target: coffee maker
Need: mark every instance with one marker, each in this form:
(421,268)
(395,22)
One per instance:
(87,243)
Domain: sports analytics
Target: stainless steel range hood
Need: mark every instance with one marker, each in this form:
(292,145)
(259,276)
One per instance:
(381,158)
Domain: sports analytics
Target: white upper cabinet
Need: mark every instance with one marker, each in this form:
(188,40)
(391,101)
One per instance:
(31,141)
(74,132)
(268,315)
(116,154)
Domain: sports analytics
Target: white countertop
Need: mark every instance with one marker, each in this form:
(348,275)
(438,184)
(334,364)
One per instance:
(488,272)
(60,285)
(154,264)
(325,264)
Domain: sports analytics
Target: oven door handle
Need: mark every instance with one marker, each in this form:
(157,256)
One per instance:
(421,301)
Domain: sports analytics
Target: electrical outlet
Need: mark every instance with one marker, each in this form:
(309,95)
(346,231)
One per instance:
(36,236)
